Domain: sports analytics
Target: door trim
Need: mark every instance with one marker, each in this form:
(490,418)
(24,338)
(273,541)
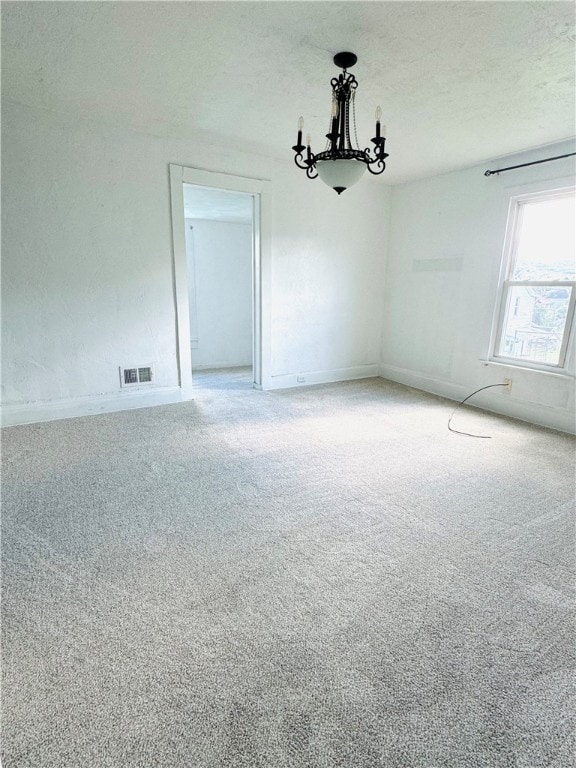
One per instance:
(261,272)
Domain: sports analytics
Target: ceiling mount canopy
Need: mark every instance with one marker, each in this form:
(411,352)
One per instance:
(341,165)
(345,59)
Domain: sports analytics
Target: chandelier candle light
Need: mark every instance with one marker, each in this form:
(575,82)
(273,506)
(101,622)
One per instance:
(341,165)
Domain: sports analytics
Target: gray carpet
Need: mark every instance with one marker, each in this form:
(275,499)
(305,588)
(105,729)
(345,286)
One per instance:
(316,577)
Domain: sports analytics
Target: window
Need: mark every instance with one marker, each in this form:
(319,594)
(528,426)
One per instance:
(538,289)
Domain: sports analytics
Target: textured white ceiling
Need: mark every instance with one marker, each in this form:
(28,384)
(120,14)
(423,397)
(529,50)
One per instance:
(216,204)
(459,82)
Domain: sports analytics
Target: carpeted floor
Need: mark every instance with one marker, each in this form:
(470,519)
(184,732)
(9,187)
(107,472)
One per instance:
(315,577)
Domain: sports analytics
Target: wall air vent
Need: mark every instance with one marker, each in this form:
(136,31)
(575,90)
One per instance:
(137,376)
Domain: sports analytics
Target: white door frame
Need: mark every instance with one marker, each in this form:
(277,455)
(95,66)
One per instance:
(261,261)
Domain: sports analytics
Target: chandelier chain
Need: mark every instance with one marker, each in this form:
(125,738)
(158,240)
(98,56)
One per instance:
(354,119)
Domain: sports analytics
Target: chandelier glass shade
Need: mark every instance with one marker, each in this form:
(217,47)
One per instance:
(341,165)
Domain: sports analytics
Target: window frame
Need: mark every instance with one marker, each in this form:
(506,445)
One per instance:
(515,209)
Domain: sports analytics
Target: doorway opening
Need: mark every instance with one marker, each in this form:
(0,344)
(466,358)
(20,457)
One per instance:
(221,228)
(219,239)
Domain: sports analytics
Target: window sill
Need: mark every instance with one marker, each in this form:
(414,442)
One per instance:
(560,374)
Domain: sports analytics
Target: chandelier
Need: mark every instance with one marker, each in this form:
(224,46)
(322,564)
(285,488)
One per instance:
(341,165)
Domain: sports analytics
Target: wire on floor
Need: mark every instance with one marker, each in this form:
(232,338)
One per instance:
(469,434)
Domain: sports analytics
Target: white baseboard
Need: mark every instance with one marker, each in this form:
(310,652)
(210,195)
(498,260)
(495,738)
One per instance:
(546,416)
(30,413)
(504,404)
(288,380)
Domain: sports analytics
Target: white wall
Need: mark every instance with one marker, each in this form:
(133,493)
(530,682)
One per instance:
(444,257)
(88,283)
(87,265)
(328,273)
(219,260)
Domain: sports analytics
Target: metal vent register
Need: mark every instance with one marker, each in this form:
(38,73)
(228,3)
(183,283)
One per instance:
(130,377)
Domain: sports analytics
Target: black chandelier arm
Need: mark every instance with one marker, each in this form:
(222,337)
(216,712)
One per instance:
(380,165)
(300,162)
(376,164)
(307,165)
(379,155)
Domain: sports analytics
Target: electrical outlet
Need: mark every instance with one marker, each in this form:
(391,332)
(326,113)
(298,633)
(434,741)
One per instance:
(508,385)
(301,379)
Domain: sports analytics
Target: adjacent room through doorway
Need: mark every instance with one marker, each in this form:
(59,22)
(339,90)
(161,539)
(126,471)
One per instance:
(219,238)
